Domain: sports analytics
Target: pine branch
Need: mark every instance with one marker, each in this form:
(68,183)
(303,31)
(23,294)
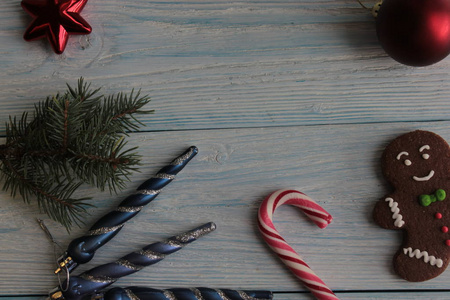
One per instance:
(75,138)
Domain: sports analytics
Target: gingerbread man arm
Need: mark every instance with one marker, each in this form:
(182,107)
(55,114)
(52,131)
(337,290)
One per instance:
(387,214)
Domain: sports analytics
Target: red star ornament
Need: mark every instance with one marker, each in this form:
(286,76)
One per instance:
(56,20)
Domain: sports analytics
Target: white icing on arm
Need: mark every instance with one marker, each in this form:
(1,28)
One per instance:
(395,212)
(430,259)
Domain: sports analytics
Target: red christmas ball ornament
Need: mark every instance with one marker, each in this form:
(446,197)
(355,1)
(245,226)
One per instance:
(414,32)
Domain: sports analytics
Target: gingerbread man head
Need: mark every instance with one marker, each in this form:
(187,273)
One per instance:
(417,166)
(416,160)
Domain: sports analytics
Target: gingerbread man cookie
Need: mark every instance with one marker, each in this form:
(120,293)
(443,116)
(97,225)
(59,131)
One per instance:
(417,165)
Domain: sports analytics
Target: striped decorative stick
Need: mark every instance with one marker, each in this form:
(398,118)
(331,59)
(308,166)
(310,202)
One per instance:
(285,252)
(87,284)
(81,250)
(140,293)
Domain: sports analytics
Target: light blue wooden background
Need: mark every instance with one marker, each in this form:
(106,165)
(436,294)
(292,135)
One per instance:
(276,94)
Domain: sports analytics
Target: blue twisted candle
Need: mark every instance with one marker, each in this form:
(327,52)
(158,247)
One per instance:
(81,250)
(139,293)
(92,281)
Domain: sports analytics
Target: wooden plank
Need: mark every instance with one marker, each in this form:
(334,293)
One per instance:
(342,295)
(222,64)
(225,183)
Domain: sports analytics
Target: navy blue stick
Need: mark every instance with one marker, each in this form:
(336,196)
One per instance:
(81,250)
(140,293)
(87,284)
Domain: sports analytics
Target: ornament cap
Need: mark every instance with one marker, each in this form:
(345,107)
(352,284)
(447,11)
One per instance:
(55,294)
(376,8)
(65,262)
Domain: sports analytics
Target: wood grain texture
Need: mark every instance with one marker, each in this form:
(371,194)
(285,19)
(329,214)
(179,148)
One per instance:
(276,94)
(341,295)
(225,183)
(227,64)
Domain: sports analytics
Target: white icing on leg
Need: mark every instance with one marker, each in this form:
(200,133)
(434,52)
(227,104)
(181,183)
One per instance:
(395,212)
(430,259)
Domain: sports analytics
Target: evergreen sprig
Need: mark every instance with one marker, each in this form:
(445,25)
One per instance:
(73,138)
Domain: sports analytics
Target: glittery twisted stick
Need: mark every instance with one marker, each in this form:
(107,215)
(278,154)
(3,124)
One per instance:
(82,249)
(285,252)
(92,281)
(139,293)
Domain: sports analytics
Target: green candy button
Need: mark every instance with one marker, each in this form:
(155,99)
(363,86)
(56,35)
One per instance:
(440,194)
(425,200)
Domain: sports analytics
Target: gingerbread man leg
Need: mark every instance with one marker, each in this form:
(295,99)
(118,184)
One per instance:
(414,264)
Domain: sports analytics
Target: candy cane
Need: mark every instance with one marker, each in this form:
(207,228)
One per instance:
(285,252)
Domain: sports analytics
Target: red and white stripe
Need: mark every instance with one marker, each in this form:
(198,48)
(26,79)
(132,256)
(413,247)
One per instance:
(288,255)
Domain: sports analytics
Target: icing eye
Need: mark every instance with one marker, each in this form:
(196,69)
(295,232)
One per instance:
(425,155)
(407,162)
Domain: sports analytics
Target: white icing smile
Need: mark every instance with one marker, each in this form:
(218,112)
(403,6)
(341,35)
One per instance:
(425,178)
